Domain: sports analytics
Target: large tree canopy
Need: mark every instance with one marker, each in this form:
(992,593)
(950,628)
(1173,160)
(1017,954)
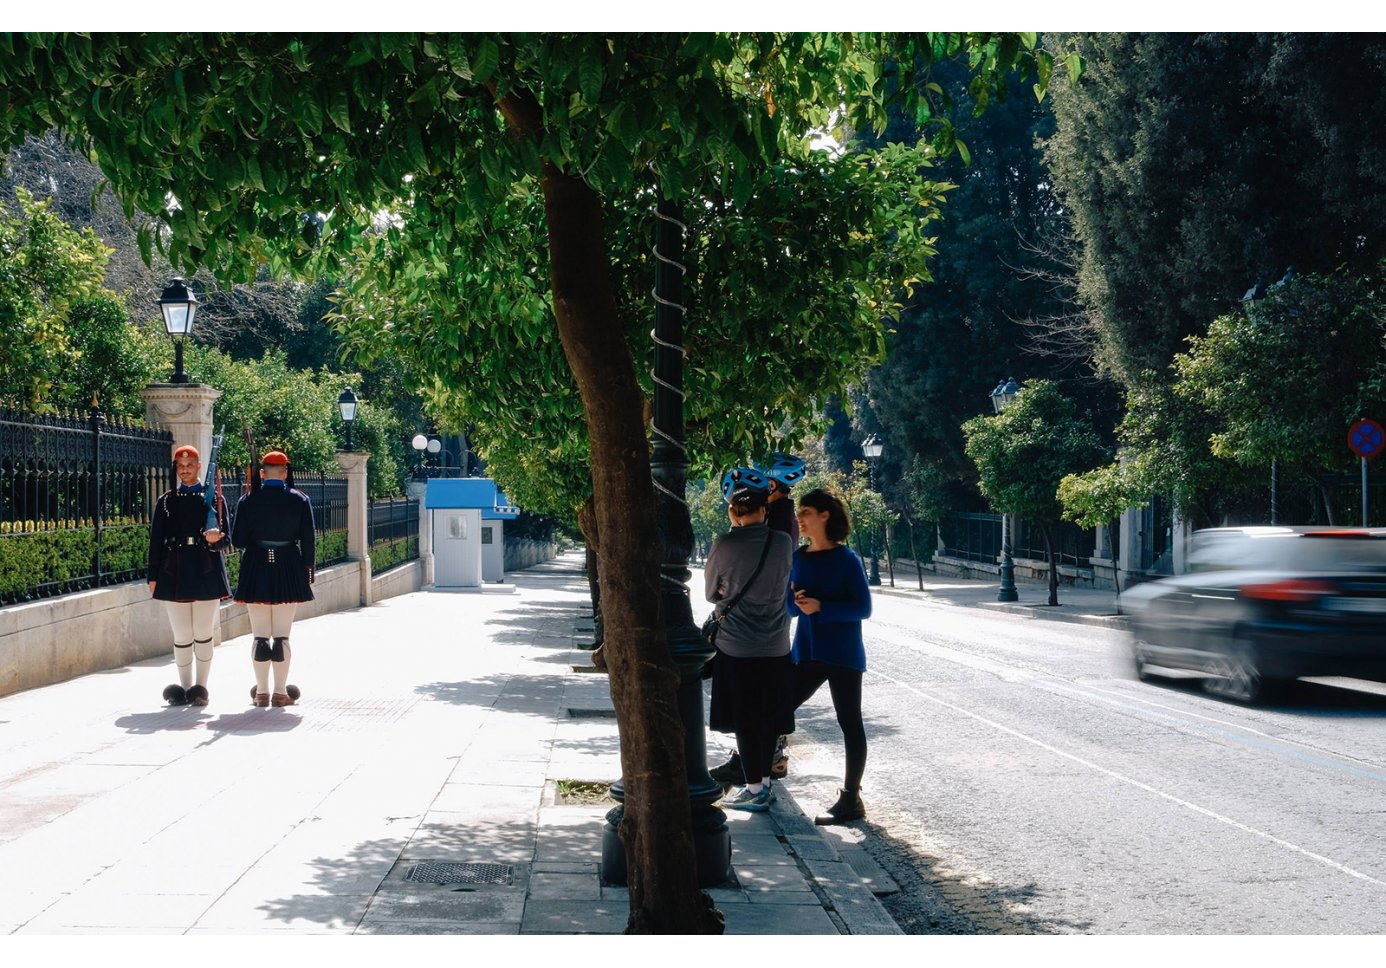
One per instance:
(283,149)
(1194,164)
(956,337)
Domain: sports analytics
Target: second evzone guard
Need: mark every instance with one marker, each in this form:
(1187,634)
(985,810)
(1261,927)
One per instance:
(274,531)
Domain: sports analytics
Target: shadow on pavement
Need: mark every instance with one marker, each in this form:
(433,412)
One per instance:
(175,719)
(1320,700)
(934,899)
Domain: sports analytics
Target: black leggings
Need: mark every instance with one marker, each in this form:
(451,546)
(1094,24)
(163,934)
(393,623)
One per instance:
(845,686)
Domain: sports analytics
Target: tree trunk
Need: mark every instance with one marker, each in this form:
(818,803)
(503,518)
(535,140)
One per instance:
(914,553)
(1113,537)
(656,831)
(1327,493)
(587,522)
(1053,562)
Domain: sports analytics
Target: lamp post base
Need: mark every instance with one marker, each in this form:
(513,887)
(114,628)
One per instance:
(1007,592)
(711,836)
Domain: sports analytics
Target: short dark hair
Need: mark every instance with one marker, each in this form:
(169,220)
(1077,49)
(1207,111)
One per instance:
(839,524)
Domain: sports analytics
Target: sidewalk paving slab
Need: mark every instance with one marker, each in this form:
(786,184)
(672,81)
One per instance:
(432,728)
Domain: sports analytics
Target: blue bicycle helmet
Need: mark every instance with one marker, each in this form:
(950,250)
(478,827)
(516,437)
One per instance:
(785,468)
(743,479)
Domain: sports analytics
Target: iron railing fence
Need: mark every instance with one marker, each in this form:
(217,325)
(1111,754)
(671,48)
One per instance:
(329,497)
(1302,502)
(392,532)
(977,537)
(76,495)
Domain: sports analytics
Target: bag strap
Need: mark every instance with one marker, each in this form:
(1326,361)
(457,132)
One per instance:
(764,551)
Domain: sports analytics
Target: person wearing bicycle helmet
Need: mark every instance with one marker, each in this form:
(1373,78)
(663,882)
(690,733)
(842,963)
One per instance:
(782,472)
(746,575)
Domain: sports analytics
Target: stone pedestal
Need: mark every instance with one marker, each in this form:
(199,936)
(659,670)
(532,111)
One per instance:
(418,491)
(353,467)
(185,409)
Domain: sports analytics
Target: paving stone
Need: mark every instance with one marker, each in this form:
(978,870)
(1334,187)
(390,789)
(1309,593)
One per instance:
(777,919)
(812,846)
(563,867)
(872,874)
(575,887)
(771,877)
(438,927)
(481,904)
(575,917)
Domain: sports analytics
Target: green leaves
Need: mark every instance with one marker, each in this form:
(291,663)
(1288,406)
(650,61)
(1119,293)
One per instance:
(339,109)
(485,60)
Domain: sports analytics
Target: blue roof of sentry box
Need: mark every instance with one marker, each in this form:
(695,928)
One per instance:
(469,492)
(503,511)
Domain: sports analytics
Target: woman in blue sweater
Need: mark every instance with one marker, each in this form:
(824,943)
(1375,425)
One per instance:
(829,594)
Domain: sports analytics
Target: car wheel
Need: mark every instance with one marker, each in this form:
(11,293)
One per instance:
(1142,662)
(1234,675)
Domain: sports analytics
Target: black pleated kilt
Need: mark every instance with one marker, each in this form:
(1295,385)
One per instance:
(748,692)
(191,574)
(263,583)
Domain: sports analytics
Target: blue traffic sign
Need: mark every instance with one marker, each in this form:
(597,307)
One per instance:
(1366,438)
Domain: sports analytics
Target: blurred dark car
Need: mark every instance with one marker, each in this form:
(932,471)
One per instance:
(1262,606)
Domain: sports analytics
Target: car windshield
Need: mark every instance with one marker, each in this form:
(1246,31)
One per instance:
(1288,551)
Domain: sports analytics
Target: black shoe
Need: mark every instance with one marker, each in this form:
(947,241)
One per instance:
(848,807)
(730,771)
(176,695)
(197,695)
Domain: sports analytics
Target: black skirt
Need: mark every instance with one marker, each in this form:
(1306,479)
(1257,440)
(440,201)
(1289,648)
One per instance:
(752,692)
(273,576)
(191,573)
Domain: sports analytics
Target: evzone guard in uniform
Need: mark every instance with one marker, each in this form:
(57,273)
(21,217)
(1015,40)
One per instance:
(274,531)
(187,572)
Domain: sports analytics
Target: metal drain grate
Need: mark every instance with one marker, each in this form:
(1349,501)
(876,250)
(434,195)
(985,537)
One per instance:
(444,872)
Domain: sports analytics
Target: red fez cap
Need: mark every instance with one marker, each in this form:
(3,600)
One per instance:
(188,449)
(275,458)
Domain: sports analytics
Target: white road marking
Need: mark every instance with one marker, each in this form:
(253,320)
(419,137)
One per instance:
(1221,818)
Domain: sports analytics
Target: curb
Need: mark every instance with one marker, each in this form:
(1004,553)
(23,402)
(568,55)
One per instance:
(841,890)
(1036,610)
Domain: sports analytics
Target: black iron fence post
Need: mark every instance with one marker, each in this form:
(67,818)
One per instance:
(96,419)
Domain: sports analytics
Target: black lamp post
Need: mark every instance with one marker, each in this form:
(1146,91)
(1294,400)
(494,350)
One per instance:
(346,403)
(1002,397)
(873,447)
(419,443)
(179,306)
(689,650)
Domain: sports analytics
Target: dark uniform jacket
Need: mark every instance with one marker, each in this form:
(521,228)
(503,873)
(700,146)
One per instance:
(274,530)
(181,563)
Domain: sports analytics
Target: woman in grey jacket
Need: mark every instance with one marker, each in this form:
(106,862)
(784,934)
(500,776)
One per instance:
(751,695)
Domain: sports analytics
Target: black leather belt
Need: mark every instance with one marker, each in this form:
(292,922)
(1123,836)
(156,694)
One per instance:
(273,544)
(176,542)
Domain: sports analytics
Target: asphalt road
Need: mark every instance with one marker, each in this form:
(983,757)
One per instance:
(1021,780)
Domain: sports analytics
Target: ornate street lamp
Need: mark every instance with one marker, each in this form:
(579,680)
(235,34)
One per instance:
(873,447)
(179,306)
(346,403)
(1002,397)
(419,443)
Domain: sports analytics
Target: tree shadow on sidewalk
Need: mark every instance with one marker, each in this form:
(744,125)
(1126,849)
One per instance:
(934,898)
(369,887)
